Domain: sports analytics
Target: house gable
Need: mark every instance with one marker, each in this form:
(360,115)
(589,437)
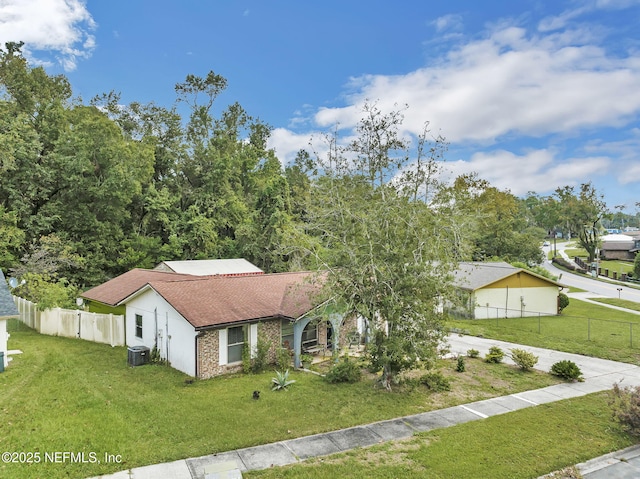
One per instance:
(521,279)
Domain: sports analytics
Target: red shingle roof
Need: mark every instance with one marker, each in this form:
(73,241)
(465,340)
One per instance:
(221,300)
(120,287)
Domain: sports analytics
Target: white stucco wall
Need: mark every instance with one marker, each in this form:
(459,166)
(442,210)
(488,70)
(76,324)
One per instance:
(164,326)
(517,302)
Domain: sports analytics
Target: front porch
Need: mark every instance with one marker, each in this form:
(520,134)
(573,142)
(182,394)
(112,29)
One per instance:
(319,337)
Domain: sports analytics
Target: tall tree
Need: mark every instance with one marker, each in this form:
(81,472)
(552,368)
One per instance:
(581,213)
(388,253)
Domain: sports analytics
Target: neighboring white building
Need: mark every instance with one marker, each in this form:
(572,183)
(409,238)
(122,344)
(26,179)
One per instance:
(7,310)
(210,267)
(490,290)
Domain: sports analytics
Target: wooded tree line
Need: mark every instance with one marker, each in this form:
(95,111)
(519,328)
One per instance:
(92,189)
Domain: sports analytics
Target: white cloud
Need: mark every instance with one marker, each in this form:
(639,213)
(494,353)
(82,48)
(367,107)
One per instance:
(60,26)
(448,22)
(504,84)
(537,170)
(287,143)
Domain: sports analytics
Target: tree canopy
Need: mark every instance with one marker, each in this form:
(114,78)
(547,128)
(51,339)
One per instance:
(92,190)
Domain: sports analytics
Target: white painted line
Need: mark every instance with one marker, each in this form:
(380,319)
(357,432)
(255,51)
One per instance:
(525,400)
(483,416)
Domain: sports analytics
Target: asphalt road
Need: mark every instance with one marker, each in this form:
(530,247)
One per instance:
(598,288)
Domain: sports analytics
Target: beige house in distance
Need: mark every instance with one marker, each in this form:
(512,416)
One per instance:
(499,290)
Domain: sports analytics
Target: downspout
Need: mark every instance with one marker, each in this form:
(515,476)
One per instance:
(155,318)
(506,305)
(197,354)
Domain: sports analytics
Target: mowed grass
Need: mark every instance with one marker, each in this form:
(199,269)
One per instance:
(523,444)
(68,395)
(622,303)
(583,328)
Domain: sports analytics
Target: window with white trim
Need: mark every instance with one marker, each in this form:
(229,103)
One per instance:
(235,343)
(139,326)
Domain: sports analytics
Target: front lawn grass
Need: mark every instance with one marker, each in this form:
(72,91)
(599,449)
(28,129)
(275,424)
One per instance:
(71,395)
(523,444)
(609,334)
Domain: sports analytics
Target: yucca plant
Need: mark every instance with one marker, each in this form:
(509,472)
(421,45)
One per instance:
(281,381)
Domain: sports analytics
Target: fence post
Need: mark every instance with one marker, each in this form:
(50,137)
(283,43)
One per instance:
(589,330)
(631,335)
(539,320)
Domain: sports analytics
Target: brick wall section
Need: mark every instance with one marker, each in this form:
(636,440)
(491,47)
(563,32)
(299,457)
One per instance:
(322,333)
(349,326)
(209,354)
(271,331)
(209,357)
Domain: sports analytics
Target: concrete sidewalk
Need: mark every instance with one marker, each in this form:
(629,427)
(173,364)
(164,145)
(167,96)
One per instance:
(599,374)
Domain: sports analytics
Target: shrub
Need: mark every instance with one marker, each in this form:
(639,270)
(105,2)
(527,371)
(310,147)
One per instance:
(563,302)
(495,355)
(261,360)
(567,370)
(460,367)
(344,371)
(525,360)
(306,359)
(283,359)
(473,353)
(625,405)
(155,358)
(435,381)
(281,381)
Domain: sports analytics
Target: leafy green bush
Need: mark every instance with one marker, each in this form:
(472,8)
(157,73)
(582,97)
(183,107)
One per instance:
(259,362)
(435,381)
(281,381)
(525,360)
(473,353)
(563,302)
(283,359)
(625,405)
(495,355)
(306,360)
(344,371)
(567,370)
(460,366)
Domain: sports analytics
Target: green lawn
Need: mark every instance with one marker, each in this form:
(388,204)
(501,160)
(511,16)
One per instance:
(71,395)
(617,266)
(622,303)
(583,328)
(522,444)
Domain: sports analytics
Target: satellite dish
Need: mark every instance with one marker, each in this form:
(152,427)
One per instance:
(13,282)
(79,301)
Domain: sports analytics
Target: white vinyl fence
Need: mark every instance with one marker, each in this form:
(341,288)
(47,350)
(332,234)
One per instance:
(99,328)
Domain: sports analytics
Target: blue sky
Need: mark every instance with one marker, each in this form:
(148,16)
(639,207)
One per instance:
(531,95)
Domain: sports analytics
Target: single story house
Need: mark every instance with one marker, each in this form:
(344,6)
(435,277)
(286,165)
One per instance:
(619,246)
(490,290)
(8,310)
(200,324)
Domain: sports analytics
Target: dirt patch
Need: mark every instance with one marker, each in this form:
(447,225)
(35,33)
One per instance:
(390,454)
